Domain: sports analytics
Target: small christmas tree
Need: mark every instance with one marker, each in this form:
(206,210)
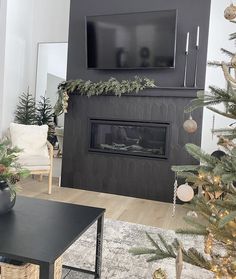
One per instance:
(45,116)
(44,112)
(25,112)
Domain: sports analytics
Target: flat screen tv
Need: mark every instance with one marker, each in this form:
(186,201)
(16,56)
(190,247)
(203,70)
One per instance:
(131,41)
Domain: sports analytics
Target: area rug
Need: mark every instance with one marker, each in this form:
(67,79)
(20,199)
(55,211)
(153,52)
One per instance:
(118,263)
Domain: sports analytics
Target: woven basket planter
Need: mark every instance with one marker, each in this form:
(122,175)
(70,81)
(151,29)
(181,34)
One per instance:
(26,271)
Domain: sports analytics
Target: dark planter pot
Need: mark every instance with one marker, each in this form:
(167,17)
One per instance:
(6,202)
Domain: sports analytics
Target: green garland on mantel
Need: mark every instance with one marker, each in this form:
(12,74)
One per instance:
(89,88)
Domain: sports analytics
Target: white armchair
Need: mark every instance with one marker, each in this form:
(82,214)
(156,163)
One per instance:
(37,152)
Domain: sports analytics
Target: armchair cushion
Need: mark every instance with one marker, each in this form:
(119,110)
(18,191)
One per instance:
(31,138)
(34,160)
(37,168)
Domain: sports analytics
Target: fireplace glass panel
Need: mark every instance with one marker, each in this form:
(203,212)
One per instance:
(131,138)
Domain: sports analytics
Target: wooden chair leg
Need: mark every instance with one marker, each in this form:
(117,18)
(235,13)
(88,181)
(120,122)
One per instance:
(50,182)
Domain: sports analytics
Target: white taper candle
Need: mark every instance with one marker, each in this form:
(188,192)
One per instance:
(198,33)
(187,43)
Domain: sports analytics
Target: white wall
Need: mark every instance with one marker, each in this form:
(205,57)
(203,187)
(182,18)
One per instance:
(220,29)
(27,23)
(3,13)
(17,49)
(50,24)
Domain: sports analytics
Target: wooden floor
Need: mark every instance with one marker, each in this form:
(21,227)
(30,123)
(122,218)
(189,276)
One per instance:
(152,213)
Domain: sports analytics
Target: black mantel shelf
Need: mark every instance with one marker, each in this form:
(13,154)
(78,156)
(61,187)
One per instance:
(178,88)
(176,92)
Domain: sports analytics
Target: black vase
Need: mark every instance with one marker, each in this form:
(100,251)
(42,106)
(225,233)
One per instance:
(6,200)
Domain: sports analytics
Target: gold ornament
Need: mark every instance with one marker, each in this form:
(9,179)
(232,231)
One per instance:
(190,125)
(159,274)
(233,266)
(230,12)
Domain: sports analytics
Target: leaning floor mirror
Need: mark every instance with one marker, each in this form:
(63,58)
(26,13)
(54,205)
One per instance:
(51,70)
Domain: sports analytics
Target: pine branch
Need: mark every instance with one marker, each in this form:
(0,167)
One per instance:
(196,152)
(193,222)
(227,52)
(192,231)
(191,256)
(232,36)
(228,115)
(185,168)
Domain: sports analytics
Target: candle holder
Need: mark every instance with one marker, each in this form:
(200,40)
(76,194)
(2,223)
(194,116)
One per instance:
(185,68)
(197,54)
(196,67)
(186,60)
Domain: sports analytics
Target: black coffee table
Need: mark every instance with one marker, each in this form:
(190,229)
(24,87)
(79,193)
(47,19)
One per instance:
(39,231)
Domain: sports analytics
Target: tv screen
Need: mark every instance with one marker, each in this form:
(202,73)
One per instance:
(131,41)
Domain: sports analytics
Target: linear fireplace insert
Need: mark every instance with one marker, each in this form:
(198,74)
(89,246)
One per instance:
(136,138)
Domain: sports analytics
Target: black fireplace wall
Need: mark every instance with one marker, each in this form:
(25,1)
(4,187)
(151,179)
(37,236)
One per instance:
(129,175)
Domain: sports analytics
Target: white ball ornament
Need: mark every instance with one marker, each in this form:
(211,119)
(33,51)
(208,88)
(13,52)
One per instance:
(185,192)
(230,12)
(190,125)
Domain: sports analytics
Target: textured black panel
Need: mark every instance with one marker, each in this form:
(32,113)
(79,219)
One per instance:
(139,177)
(132,176)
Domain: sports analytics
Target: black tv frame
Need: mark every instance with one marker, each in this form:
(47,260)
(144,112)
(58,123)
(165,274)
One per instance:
(136,68)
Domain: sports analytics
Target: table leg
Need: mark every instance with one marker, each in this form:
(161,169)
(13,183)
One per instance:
(98,263)
(46,271)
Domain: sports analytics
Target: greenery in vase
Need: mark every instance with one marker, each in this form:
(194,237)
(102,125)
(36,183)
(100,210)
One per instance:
(89,88)
(10,170)
(215,178)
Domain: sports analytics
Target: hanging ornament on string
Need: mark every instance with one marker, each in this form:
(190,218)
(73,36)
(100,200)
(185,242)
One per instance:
(185,192)
(190,125)
(230,12)
(175,195)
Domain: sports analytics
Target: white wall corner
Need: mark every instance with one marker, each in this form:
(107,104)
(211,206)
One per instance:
(3,16)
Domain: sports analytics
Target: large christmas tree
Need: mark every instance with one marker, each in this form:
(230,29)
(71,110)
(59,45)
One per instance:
(215,179)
